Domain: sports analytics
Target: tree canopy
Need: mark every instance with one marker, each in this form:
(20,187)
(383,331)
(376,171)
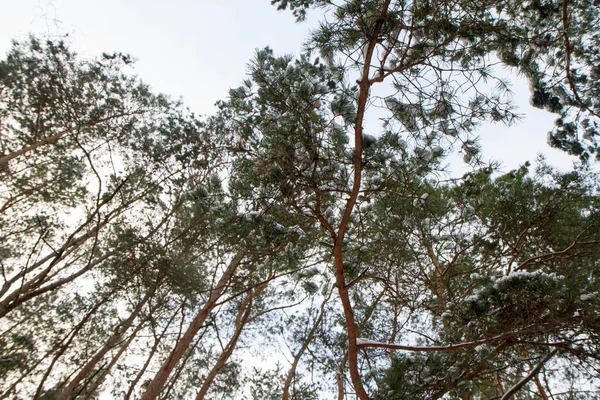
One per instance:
(275,249)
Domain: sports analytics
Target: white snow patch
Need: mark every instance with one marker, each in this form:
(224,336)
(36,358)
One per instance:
(363,341)
(588,296)
(298,230)
(525,274)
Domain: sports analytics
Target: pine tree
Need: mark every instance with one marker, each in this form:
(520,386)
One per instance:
(145,251)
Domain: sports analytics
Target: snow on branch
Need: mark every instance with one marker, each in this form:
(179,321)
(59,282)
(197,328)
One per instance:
(362,342)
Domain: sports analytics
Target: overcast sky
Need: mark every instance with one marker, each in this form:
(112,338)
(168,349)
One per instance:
(197,49)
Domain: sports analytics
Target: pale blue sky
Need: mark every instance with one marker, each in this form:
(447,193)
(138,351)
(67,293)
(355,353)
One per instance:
(198,49)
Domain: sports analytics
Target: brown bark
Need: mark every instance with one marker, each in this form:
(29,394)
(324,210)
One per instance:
(54,138)
(440,287)
(241,320)
(363,96)
(533,373)
(540,388)
(476,371)
(182,345)
(157,341)
(174,378)
(106,370)
(292,372)
(112,341)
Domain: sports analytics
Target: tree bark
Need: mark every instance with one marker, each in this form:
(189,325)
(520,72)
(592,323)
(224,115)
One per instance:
(105,371)
(511,392)
(182,345)
(54,138)
(240,322)
(292,372)
(363,96)
(112,341)
(157,341)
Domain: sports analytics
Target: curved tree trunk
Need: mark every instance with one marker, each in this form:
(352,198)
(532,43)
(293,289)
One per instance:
(363,96)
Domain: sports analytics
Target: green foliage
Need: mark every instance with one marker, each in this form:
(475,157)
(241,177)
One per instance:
(116,199)
(299,7)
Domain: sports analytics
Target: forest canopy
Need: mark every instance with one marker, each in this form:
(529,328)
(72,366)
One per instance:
(274,250)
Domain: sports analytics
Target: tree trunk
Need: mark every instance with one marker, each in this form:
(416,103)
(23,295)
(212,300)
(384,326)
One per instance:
(21,295)
(105,371)
(157,342)
(440,285)
(534,371)
(292,372)
(241,320)
(66,345)
(339,378)
(363,97)
(182,345)
(32,289)
(114,339)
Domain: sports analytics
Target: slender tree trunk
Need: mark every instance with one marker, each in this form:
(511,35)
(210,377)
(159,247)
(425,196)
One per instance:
(513,390)
(182,345)
(71,245)
(241,320)
(106,370)
(540,388)
(14,299)
(174,378)
(339,378)
(157,341)
(439,279)
(112,341)
(292,372)
(32,289)
(440,285)
(66,345)
(476,371)
(363,96)
(364,85)
(28,292)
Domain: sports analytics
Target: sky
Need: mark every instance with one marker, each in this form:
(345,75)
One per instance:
(196,50)
(193,49)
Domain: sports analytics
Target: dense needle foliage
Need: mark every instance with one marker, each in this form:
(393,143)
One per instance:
(282,248)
